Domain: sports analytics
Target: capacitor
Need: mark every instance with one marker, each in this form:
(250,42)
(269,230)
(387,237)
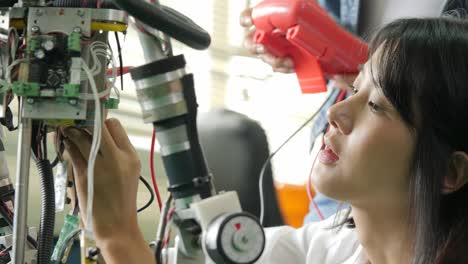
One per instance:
(48,45)
(39,53)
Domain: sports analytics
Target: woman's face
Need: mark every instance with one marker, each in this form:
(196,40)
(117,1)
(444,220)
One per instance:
(369,149)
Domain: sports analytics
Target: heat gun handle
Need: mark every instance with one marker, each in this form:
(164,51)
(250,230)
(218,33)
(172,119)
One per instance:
(307,68)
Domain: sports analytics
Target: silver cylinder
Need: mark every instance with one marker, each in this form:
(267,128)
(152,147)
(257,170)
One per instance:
(21,191)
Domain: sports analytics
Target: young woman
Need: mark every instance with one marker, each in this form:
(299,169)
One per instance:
(396,152)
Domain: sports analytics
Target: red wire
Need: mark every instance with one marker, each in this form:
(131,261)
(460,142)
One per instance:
(10,213)
(309,182)
(98,3)
(341,96)
(153,177)
(126,70)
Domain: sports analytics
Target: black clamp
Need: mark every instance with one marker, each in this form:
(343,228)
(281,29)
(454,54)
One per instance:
(196,183)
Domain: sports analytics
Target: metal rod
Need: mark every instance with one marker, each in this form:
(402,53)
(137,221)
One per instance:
(21,191)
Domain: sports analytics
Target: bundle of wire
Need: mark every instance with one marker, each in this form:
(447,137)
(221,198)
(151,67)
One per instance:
(96,142)
(100,49)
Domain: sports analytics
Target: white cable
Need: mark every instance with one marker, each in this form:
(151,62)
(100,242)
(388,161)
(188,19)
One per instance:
(94,145)
(107,91)
(262,172)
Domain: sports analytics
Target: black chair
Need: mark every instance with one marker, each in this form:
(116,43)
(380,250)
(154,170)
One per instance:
(236,148)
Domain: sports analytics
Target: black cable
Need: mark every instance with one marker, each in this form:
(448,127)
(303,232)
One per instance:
(44,141)
(79,3)
(262,172)
(47,221)
(7,3)
(56,161)
(119,49)
(151,200)
(168,21)
(6,249)
(34,141)
(7,194)
(162,230)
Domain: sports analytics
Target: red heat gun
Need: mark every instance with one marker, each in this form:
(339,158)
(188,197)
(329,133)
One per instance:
(304,31)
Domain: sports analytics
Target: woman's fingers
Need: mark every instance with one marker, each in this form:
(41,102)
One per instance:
(283,64)
(80,139)
(344,81)
(108,144)
(77,159)
(118,134)
(251,46)
(245,18)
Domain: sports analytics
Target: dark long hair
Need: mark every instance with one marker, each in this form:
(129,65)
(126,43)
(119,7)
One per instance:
(423,71)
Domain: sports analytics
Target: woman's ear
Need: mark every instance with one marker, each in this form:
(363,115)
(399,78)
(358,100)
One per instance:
(458,173)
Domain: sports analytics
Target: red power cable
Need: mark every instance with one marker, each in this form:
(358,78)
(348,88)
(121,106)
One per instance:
(309,182)
(153,177)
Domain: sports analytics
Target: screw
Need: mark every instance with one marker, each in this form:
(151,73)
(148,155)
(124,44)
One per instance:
(73,101)
(30,100)
(39,12)
(80,13)
(93,253)
(35,29)
(77,30)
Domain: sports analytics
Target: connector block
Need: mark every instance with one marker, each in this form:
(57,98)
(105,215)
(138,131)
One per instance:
(74,42)
(33,44)
(71,90)
(25,89)
(112,103)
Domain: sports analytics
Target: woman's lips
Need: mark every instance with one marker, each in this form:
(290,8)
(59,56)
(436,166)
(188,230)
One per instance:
(327,156)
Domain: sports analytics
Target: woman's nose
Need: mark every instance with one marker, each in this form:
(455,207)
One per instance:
(339,117)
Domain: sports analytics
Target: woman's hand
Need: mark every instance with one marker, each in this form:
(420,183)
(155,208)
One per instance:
(344,81)
(116,176)
(284,65)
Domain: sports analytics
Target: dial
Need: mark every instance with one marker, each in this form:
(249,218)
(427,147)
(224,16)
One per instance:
(235,238)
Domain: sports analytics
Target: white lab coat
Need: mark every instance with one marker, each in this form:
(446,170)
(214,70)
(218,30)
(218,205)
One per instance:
(314,243)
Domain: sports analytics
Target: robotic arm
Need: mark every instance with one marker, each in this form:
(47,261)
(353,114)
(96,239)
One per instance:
(56,64)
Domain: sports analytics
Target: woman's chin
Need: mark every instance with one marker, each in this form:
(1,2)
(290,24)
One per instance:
(325,181)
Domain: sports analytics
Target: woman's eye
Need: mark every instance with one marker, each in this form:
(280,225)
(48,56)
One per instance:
(353,89)
(374,107)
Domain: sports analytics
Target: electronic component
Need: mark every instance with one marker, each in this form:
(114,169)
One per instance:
(235,238)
